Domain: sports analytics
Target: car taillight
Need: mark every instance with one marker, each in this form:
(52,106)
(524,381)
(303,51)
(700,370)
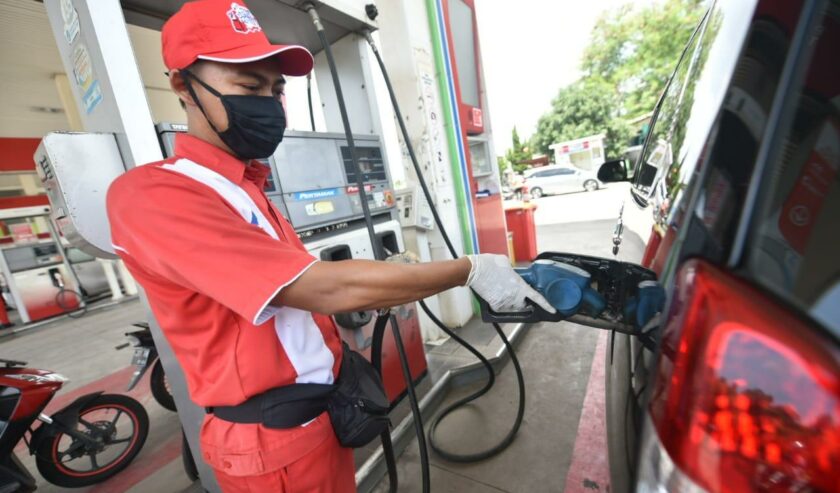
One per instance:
(747,395)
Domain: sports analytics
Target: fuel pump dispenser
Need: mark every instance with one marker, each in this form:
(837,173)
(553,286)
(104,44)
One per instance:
(39,275)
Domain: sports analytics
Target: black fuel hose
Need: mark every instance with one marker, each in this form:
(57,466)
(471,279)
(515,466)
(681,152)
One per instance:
(379,254)
(491,376)
(73,312)
(309,101)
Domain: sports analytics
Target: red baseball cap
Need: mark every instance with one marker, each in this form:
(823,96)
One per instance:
(225,31)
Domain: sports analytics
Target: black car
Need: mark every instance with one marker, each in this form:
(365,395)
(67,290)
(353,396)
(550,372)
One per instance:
(741,169)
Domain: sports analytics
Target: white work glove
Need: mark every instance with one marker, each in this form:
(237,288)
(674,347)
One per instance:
(494,280)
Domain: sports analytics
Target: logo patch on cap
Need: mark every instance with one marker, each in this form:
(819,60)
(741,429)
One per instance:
(242,20)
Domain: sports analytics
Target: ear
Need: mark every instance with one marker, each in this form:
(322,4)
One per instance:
(179,86)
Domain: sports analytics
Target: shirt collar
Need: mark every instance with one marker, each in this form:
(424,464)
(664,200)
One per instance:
(257,173)
(227,165)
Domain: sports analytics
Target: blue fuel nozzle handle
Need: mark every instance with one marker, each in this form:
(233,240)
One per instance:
(649,301)
(593,303)
(565,286)
(542,272)
(564,295)
(528,275)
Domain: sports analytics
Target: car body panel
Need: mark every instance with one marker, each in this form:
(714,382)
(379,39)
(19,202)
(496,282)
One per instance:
(712,178)
(559,179)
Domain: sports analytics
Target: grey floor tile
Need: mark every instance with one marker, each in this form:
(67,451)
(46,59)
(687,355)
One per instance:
(444,481)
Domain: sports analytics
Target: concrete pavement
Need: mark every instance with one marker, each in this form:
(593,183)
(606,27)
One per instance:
(602,204)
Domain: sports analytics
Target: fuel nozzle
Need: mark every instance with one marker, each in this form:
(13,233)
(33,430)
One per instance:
(619,231)
(568,288)
(649,301)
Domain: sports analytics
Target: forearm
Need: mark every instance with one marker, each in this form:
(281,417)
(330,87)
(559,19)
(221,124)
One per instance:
(353,285)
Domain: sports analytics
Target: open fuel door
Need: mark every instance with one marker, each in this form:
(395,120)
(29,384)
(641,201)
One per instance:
(593,291)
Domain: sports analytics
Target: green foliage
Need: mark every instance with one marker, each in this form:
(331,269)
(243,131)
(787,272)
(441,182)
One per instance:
(628,61)
(504,164)
(636,49)
(586,107)
(519,152)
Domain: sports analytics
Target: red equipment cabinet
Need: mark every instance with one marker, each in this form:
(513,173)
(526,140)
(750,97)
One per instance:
(520,222)
(490,225)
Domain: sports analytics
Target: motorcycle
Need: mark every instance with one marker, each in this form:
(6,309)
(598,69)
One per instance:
(145,356)
(84,443)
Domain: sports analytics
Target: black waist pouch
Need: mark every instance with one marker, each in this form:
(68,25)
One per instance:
(356,403)
(358,406)
(283,407)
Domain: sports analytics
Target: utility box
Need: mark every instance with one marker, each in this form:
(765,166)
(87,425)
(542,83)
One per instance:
(414,210)
(520,222)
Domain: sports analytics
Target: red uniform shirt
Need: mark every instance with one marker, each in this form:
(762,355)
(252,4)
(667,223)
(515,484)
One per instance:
(211,251)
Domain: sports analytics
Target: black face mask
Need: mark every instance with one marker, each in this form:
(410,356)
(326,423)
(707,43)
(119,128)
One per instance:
(255,123)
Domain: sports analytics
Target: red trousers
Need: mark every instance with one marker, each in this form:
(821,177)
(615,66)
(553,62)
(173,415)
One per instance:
(329,468)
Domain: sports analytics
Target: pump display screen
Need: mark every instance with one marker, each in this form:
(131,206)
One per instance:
(463,37)
(370,162)
(44,250)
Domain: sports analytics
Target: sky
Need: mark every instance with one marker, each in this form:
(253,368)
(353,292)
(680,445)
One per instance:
(530,49)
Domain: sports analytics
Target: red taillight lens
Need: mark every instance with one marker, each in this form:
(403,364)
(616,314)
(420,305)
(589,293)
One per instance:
(747,395)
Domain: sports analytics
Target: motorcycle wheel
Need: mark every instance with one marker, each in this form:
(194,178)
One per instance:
(160,387)
(119,420)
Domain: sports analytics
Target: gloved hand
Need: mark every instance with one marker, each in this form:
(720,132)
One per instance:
(494,280)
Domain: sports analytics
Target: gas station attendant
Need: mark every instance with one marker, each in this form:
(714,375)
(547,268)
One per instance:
(244,306)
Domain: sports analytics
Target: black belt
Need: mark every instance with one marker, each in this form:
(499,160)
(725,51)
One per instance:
(283,407)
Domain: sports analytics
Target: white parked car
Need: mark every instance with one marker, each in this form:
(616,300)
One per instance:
(559,179)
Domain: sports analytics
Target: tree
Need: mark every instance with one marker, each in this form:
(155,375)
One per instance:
(586,107)
(636,49)
(504,164)
(630,56)
(518,153)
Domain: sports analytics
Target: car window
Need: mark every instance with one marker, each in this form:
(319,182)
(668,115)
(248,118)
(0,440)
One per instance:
(652,162)
(710,135)
(794,244)
(689,108)
(731,151)
(716,189)
(565,171)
